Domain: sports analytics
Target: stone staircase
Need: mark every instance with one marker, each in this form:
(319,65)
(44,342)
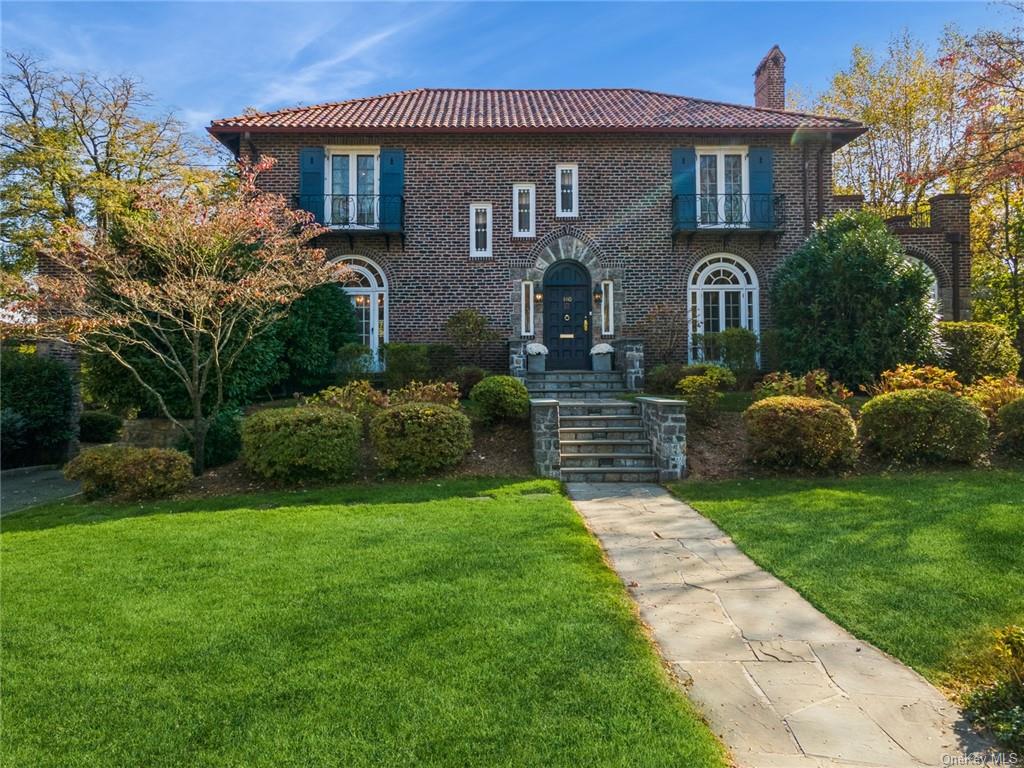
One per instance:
(601,439)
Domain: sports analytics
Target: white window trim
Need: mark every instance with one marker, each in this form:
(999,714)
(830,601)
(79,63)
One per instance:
(473,252)
(378,288)
(750,318)
(721,152)
(559,213)
(352,151)
(516,188)
(607,308)
(526,297)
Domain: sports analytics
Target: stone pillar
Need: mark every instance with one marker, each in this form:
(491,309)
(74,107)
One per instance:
(629,358)
(664,424)
(517,358)
(546,449)
(951,215)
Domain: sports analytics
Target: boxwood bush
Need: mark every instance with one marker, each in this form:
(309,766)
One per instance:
(416,438)
(129,473)
(99,427)
(1011,427)
(788,431)
(914,425)
(501,398)
(975,350)
(308,443)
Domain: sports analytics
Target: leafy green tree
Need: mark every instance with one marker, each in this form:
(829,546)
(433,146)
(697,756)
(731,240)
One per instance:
(847,301)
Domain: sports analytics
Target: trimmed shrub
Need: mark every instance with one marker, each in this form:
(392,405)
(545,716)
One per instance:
(310,443)
(814,384)
(440,392)
(441,361)
(352,361)
(223,440)
(975,350)
(924,425)
(701,395)
(13,431)
(663,379)
(736,348)
(404,363)
(991,393)
(722,378)
(99,427)
(129,473)
(38,389)
(501,398)
(359,398)
(472,332)
(1010,420)
(788,431)
(915,377)
(416,438)
(849,302)
(466,377)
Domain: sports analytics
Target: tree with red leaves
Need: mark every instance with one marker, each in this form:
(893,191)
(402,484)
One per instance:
(189,280)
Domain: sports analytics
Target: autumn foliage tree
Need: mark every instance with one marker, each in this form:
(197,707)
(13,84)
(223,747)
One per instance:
(187,280)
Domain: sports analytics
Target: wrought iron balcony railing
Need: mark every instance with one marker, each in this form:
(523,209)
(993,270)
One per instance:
(751,212)
(379,213)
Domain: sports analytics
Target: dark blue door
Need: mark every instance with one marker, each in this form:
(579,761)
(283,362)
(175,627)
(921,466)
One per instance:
(567,316)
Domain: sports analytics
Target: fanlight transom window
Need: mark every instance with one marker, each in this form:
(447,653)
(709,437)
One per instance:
(366,286)
(723,294)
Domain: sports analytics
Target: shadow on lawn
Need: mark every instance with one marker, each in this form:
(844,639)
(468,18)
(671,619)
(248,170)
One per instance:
(80,512)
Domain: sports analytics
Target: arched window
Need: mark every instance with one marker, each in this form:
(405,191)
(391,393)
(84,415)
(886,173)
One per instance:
(366,285)
(932,277)
(723,294)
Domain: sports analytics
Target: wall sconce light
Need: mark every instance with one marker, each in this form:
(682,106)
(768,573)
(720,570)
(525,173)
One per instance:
(598,294)
(538,296)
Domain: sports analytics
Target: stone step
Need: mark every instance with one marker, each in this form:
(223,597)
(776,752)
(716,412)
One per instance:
(595,389)
(575,376)
(606,460)
(612,475)
(605,446)
(578,394)
(597,407)
(600,433)
(599,420)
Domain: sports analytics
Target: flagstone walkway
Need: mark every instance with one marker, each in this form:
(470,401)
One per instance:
(780,683)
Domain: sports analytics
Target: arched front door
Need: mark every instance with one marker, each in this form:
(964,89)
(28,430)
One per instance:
(567,316)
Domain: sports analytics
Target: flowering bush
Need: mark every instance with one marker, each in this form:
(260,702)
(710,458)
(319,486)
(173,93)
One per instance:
(787,431)
(441,392)
(416,438)
(915,377)
(814,384)
(990,393)
(130,473)
(924,425)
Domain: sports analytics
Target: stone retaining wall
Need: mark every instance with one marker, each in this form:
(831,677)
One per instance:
(664,423)
(544,422)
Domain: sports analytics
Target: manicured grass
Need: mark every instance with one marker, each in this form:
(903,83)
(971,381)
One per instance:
(923,565)
(451,623)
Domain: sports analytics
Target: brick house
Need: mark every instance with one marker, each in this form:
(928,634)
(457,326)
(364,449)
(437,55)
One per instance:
(565,216)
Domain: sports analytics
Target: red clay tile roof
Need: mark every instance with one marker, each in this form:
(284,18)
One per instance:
(496,111)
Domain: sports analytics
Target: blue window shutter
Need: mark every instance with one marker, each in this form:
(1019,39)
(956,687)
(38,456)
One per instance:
(762,200)
(684,188)
(392,188)
(311,181)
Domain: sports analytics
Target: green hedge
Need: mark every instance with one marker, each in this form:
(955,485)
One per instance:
(501,398)
(296,444)
(975,350)
(129,473)
(99,427)
(1011,427)
(914,425)
(417,438)
(38,400)
(788,431)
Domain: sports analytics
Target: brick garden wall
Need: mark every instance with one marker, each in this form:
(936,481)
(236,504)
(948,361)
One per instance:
(624,219)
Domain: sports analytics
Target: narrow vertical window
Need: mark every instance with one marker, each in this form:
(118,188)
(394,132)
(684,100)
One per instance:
(567,190)
(607,308)
(523,200)
(526,328)
(480,230)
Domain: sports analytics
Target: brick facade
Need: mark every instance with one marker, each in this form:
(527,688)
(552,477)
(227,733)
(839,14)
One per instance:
(623,232)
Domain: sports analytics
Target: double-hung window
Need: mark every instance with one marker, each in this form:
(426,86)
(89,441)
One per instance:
(480,230)
(524,198)
(567,190)
(353,184)
(722,186)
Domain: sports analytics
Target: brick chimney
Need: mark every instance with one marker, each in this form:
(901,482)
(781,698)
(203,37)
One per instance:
(770,80)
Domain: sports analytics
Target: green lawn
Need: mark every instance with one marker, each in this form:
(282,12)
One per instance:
(922,565)
(452,623)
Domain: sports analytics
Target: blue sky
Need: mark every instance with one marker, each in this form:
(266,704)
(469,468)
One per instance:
(213,59)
